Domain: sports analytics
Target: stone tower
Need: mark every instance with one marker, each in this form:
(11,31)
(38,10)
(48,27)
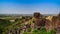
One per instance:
(39,20)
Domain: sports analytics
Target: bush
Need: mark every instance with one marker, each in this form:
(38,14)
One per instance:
(25,33)
(52,31)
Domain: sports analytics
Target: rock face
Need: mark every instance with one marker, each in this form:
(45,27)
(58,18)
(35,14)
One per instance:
(48,22)
(41,22)
(56,21)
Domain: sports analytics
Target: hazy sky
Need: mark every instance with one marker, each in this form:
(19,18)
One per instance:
(29,6)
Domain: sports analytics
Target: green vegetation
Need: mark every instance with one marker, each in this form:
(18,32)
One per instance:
(3,24)
(6,25)
(41,31)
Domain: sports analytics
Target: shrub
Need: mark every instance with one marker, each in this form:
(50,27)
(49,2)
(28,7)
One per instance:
(25,33)
(53,31)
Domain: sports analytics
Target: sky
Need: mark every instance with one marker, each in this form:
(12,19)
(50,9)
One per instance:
(29,6)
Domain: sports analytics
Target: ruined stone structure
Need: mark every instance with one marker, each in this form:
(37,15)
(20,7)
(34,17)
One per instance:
(41,22)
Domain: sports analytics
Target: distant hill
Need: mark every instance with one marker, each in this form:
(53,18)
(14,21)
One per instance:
(26,14)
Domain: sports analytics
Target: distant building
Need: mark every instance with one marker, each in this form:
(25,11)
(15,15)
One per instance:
(12,20)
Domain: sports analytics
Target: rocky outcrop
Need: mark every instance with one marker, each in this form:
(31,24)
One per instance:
(41,22)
